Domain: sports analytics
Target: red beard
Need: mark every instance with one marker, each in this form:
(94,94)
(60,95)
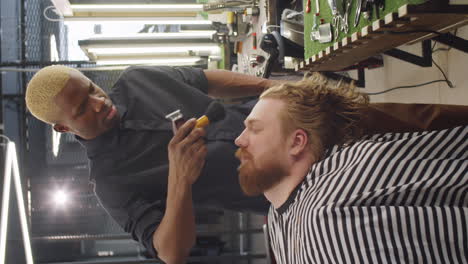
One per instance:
(255,180)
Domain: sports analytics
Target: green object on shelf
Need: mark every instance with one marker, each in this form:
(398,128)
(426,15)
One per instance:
(314,47)
(222,62)
(202,13)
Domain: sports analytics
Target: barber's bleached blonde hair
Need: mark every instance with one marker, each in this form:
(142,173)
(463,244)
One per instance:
(327,111)
(42,89)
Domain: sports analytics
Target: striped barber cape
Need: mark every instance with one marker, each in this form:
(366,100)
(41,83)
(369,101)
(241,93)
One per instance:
(389,198)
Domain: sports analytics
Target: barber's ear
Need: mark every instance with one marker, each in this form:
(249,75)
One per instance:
(299,142)
(61,128)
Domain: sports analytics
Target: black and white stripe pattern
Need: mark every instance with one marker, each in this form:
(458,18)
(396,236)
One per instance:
(392,198)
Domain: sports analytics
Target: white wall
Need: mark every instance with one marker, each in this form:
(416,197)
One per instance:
(398,73)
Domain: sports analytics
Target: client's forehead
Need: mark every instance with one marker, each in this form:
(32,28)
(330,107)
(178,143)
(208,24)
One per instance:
(267,109)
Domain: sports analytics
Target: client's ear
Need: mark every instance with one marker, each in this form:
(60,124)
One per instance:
(299,142)
(61,128)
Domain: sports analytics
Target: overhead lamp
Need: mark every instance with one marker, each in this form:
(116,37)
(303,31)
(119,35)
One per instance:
(207,34)
(180,61)
(96,14)
(200,50)
(173,10)
(131,10)
(138,20)
(146,40)
(152,44)
(137,8)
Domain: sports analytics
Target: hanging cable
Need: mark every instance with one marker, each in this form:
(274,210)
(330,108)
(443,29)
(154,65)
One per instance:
(5,138)
(446,80)
(405,87)
(449,83)
(443,49)
(55,11)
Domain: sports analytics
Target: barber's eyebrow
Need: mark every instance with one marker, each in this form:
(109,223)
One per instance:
(84,102)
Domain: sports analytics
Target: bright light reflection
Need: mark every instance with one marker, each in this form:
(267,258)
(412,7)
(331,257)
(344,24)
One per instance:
(60,197)
(54,57)
(55,142)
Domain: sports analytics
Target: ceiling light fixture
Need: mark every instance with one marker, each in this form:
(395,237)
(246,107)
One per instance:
(211,49)
(138,20)
(137,8)
(186,61)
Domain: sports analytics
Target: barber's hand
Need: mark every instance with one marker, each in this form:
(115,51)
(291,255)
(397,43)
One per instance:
(187,152)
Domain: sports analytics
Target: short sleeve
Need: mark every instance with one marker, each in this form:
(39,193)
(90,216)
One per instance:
(193,76)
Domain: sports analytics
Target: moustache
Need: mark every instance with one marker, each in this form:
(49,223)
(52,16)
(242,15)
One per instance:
(242,153)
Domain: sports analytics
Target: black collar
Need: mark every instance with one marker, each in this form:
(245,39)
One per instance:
(293,194)
(290,200)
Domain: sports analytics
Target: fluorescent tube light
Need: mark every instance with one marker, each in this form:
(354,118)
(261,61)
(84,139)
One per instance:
(212,49)
(187,61)
(12,171)
(137,20)
(137,8)
(169,35)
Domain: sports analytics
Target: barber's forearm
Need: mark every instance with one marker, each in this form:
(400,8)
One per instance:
(223,83)
(175,235)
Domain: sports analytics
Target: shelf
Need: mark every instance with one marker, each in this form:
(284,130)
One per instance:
(387,33)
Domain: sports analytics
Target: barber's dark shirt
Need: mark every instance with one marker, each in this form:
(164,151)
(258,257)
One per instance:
(129,164)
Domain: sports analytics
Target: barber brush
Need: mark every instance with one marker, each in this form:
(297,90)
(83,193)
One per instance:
(214,112)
